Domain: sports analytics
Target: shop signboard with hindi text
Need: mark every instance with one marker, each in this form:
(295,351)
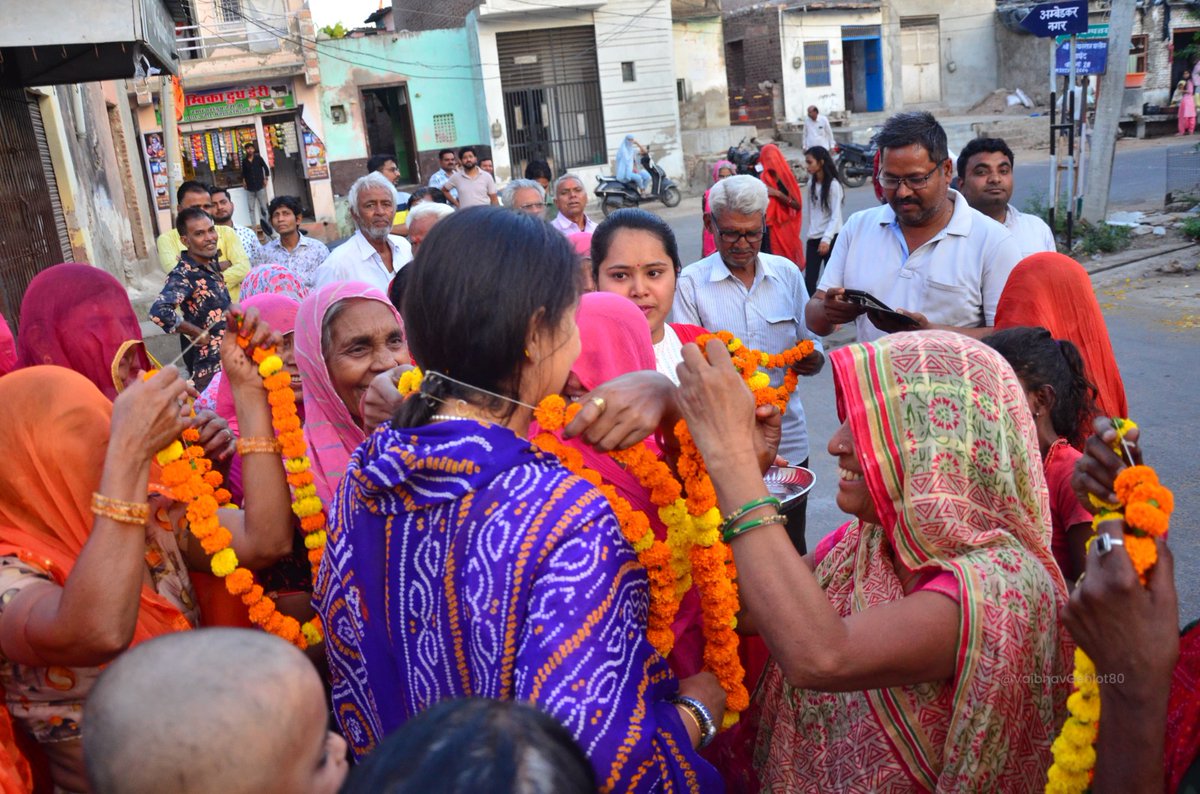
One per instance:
(247,100)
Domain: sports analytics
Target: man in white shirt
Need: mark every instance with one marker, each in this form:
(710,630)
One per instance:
(448,160)
(372,255)
(570,197)
(817,131)
(985,179)
(757,297)
(925,254)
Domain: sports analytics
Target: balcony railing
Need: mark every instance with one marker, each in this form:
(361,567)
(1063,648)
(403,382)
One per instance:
(201,41)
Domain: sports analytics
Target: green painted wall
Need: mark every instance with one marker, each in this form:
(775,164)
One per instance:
(440,68)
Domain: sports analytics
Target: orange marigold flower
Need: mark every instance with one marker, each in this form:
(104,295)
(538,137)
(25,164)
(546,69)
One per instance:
(1142,553)
(1130,478)
(312,523)
(551,413)
(1146,517)
(213,478)
(240,581)
(191,435)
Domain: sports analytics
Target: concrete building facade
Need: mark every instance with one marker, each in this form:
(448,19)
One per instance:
(250,74)
(407,93)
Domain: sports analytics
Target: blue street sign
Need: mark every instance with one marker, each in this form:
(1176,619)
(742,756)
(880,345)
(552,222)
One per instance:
(1091,57)
(1055,19)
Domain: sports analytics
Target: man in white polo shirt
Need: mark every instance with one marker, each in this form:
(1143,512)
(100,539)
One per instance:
(925,253)
(985,178)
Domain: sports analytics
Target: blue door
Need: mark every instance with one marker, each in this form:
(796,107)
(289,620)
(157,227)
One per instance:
(874,58)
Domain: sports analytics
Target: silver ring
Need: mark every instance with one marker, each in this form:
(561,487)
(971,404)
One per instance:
(1105,543)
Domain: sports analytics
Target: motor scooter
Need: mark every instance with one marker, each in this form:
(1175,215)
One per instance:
(855,162)
(615,194)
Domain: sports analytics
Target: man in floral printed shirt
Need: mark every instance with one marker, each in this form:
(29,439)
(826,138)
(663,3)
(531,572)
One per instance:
(196,290)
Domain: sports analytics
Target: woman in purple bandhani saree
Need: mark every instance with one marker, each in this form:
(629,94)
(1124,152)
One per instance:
(462,561)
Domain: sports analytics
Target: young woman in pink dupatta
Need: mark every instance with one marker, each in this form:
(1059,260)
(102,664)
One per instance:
(919,648)
(615,340)
(346,334)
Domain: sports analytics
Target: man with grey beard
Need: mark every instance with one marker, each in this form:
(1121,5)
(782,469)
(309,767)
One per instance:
(373,254)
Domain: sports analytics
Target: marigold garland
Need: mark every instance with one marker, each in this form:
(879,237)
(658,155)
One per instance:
(1145,505)
(192,481)
(748,361)
(693,552)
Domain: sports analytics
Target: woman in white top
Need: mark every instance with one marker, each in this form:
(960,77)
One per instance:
(634,254)
(825,197)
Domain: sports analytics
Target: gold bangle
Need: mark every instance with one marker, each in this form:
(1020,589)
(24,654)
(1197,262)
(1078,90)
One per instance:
(251,446)
(136,513)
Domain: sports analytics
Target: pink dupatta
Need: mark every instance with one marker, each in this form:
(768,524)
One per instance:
(615,340)
(329,429)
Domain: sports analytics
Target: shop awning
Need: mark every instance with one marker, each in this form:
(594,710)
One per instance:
(40,45)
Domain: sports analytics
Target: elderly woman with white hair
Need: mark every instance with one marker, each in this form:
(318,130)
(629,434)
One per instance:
(524,195)
(758,297)
(372,255)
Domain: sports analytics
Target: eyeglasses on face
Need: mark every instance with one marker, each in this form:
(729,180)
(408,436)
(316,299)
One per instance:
(913,182)
(731,236)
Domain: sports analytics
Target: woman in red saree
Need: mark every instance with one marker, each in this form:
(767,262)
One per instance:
(1054,292)
(79,317)
(919,649)
(784,216)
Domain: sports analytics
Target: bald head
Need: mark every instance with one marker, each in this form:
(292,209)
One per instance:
(214,710)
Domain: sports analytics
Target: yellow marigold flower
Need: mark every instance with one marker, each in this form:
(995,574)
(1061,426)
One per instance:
(759,380)
(734,345)
(297,465)
(730,719)
(224,562)
(644,542)
(171,454)
(1100,504)
(1084,709)
(306,507)
(314,540)
(305,492)
(312,634)
(270,365)
(1079,733)
(410,381)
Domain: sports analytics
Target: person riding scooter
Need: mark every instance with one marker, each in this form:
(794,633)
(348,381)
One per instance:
(628,155)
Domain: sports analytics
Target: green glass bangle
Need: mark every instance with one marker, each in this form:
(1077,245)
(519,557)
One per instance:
(749,507)
(741,529)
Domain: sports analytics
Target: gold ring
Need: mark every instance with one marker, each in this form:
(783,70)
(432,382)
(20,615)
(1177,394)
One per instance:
(599,403)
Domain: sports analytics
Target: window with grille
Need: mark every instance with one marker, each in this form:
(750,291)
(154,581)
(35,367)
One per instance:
(552,107)
(444,130)
(229,10)
(816,63)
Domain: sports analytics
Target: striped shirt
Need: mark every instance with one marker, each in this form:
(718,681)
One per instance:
(769,316)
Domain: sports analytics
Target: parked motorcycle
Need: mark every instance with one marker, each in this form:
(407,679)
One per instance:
(744,156)
(855,162)
(615,194)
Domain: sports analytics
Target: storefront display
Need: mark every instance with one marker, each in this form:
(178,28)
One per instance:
(214,157)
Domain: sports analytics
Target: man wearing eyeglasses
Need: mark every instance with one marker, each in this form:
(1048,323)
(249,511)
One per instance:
(759,298)
(925,253)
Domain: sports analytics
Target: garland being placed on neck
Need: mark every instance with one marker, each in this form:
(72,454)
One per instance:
(693,553)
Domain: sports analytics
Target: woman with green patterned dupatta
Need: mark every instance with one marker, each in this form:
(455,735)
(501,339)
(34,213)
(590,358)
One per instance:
(918,648)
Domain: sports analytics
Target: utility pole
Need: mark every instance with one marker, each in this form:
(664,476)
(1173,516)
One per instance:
(170,127)
(1108,113)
